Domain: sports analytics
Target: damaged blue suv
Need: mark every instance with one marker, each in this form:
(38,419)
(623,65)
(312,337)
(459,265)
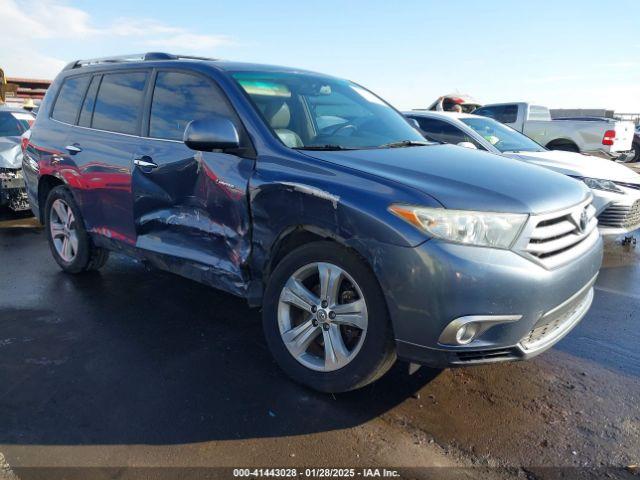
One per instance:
(315,200)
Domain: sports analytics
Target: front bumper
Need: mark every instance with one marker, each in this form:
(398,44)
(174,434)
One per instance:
(430,286)
(618,213)
(13,192)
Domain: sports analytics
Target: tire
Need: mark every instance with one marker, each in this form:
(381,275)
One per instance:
(370,351)
(82,255)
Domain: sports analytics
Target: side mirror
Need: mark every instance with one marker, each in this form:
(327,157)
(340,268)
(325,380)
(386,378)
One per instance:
(414,123)
(468,145)
(213,133)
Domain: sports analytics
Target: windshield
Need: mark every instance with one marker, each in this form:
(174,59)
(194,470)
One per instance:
(308,111)
(14,124)
(502,137)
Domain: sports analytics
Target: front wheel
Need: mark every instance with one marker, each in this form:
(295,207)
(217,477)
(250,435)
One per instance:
(325,319)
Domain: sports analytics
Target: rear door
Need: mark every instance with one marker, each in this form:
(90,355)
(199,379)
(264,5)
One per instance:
(191,206)
(102,146)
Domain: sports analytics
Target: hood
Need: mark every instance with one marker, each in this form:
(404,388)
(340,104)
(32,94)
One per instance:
(465,179)
(578,165)
(10,152)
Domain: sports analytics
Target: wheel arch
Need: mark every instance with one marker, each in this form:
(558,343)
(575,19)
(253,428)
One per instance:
(296,236)
(562,141)
(46,183)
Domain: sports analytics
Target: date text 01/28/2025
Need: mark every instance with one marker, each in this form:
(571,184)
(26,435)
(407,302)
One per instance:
(315,472)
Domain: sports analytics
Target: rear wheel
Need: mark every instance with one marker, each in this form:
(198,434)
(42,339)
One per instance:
(69,242)
(325,319)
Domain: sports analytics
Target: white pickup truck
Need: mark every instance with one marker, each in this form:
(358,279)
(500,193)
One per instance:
(606,138)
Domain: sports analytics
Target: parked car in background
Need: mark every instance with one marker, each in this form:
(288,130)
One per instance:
(360,240)
(625,157)
(615,187)
(13,123)
(605,139)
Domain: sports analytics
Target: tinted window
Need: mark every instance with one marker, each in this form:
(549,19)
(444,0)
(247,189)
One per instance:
(14,124)
(69,99)
(442,131)
(501,113)
(119,102)
(89,102)
(179,98)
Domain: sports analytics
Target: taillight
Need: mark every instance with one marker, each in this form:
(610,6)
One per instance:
(609,137)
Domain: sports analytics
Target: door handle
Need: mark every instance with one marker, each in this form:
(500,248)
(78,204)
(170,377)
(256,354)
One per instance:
(73,148)
(145,163)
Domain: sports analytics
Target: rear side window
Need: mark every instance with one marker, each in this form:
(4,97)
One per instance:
(68,102)
(89,102)
(179,98)
(501,113)
(118,106)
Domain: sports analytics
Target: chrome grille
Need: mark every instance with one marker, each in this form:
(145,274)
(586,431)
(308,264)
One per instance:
(560,320)
(621,216)
(556,238)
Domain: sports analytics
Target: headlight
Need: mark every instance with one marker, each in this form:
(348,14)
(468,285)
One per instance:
(599,184)
(486,229)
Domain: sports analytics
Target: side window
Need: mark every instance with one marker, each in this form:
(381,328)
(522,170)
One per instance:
(179,98)
(509,114)
(442,131)
(501,113)
(118,106)
(89,102)
(69,99)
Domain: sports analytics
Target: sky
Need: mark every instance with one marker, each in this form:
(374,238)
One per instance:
(561,53)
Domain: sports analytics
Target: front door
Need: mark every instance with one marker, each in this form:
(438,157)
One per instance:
(190,208)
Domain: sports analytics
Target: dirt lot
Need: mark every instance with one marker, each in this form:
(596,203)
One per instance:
(134,368)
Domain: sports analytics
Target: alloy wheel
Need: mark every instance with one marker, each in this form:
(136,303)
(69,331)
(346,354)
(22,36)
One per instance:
(322,316)
(62,225)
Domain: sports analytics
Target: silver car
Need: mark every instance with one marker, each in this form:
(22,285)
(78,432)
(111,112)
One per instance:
(615,187)
(13,123)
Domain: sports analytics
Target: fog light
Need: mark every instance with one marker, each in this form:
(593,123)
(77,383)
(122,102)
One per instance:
(466,333)
(464,330)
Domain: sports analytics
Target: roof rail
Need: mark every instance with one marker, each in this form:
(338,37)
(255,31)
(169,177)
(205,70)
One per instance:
(135,57)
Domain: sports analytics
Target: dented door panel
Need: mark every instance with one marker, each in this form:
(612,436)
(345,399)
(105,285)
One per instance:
(191,212)
(293,192)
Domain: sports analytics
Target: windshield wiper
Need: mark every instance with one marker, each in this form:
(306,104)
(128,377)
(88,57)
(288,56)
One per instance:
(406,143)
(323,147)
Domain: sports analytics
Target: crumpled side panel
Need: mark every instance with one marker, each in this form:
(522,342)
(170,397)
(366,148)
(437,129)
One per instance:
(192,215)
